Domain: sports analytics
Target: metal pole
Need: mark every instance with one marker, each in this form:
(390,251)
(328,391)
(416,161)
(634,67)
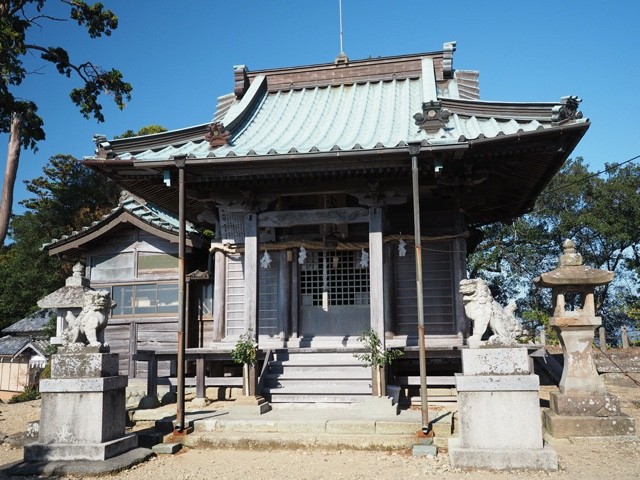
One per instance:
(180,163)
(424,406)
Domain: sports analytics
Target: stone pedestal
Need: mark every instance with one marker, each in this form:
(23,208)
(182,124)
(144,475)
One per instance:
(83,410)
(500,426)
(579,374)
(586,415)
(249,405)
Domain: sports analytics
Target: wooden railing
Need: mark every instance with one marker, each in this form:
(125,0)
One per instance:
(200,356)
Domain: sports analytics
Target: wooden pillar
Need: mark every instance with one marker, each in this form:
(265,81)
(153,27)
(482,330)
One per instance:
(389,290)
(459,247)
(295,297)
(133,347)
(200,377)
(251,253)
(251,259)
(376,273)
(219,289)
(284,293)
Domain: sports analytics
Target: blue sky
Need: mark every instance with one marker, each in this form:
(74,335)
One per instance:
(179,57)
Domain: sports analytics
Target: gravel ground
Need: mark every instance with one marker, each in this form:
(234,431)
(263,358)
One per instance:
(587,459)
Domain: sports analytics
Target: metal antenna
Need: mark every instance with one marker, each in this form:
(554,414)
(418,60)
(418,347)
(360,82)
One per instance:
(341,49)
(341,58)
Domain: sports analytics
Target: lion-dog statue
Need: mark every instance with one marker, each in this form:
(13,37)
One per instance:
(88,327)
(483,310)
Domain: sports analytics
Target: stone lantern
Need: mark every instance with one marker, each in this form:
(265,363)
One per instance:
(582,393)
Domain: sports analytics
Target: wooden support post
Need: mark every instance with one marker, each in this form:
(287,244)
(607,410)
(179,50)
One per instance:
(389,290)
(251,254)
(219,287)
(376,273)
(295,299)
(284,294)
(200,386)
(152,375)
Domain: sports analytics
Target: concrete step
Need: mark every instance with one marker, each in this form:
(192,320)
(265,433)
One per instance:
(311,375)
(286,397)
(316,358)
(343,427)
(313,386)
(319,372)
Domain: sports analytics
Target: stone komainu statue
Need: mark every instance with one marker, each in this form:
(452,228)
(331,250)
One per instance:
(88,327)
(482,309)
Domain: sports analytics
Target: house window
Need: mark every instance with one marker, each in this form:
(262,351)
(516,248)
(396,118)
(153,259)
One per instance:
(110,267)
(347,282)
(204,299)
(145,299)
(150,263)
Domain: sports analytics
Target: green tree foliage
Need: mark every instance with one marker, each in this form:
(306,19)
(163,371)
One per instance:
(147,130)
(600,213)
(67,196)
(18,116)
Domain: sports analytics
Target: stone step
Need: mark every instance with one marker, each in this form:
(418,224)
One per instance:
(316,386)
(299,372)
(284,397)
(316,358)
(313,375)
(332,426)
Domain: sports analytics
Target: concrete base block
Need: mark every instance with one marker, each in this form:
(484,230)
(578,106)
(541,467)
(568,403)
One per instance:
(425,449)
(585,404)
(249,406)
(379,406)
(79,469)
(566,426)
(166,448)
(47,452)
(500,419)
(496,361)
(84,365)
(502,459)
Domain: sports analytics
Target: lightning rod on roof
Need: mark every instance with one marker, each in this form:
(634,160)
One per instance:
(342,57)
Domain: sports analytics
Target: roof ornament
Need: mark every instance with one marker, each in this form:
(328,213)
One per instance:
(566,110)
(103,147)
(217,136)
(433,116)
(447,59)
(241,81)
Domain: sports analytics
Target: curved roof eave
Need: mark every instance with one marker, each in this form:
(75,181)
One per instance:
(425,147)
(104,227)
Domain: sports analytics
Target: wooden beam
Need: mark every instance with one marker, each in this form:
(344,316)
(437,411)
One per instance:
(314,217)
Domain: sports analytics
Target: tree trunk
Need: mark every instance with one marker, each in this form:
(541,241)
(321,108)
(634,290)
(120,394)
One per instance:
(10,173)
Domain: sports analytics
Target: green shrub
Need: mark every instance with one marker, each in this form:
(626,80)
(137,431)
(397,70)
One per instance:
(246,349)
(26,395)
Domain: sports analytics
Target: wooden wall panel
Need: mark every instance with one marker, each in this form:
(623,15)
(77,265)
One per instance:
(234,304)
(438,290)
(268,298)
